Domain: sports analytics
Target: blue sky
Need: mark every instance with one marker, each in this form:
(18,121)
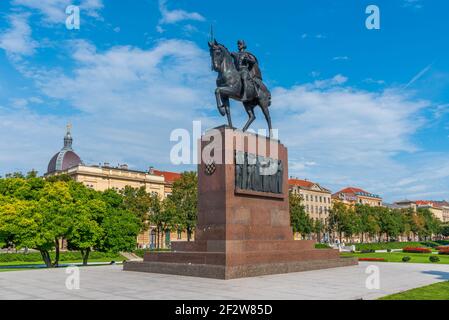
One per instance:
(359,107)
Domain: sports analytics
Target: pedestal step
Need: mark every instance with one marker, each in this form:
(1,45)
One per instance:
(242,245)
(227,272)
(241,258)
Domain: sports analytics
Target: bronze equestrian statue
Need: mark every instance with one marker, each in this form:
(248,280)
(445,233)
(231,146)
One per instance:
(239,78)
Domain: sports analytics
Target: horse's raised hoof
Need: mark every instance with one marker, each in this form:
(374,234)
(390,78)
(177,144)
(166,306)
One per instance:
(222,110)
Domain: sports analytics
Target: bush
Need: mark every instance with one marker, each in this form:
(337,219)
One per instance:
(368,251)
(322,246)
(434,259)
(430,244)
(141,252)
(417,250)
(406,259)
(388,250)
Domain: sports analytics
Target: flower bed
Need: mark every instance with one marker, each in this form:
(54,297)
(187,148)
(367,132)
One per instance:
(443,250)
(417,250)
(394,245)
(373,259)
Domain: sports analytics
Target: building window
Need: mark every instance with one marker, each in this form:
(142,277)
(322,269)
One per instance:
(307,197)
(179,234)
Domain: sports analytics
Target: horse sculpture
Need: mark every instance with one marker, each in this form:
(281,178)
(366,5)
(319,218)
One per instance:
(229,85)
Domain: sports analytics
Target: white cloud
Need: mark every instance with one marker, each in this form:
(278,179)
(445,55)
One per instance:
(373,81)
(17,39)
(336,80)
(177,15)
(316,36)
(53,11)
(340,58)
(416,4)
(28,140)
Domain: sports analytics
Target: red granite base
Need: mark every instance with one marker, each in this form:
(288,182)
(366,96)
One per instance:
(237,259)
(233,272)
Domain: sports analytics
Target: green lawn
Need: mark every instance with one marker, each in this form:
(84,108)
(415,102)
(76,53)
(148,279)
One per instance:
(118,258)
(24,263)
(437,291)
(8,270)
(397,257)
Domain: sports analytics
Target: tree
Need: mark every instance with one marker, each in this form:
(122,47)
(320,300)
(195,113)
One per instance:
(137,201)
(32,214)
(184,200)
(351,223)
(432,225)
(389,223)
(84,234)
(300,220)
(339,220)
(120,226)
(416,221)
(318,228)
(368,221)
(445,230)
(37,213)
(120,230)
(163,215)
(85,214)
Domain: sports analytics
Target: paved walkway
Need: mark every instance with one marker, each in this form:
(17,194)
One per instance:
(110,282)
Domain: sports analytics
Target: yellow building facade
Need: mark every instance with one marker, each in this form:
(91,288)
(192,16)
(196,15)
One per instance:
(316,199)
(352,196)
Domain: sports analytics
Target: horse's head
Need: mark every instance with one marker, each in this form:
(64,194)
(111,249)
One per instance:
(218,53)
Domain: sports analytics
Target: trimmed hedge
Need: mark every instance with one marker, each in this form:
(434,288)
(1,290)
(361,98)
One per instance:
(141,252)
(393,245)
(64,256)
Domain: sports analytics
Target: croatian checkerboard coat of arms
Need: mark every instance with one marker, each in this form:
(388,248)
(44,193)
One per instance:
(210,168)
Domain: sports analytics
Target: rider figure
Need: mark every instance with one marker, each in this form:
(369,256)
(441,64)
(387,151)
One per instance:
(247,64)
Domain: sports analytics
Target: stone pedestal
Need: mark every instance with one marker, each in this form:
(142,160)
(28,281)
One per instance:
(243,228)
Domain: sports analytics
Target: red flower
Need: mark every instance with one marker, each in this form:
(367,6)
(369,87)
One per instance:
(417,250)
